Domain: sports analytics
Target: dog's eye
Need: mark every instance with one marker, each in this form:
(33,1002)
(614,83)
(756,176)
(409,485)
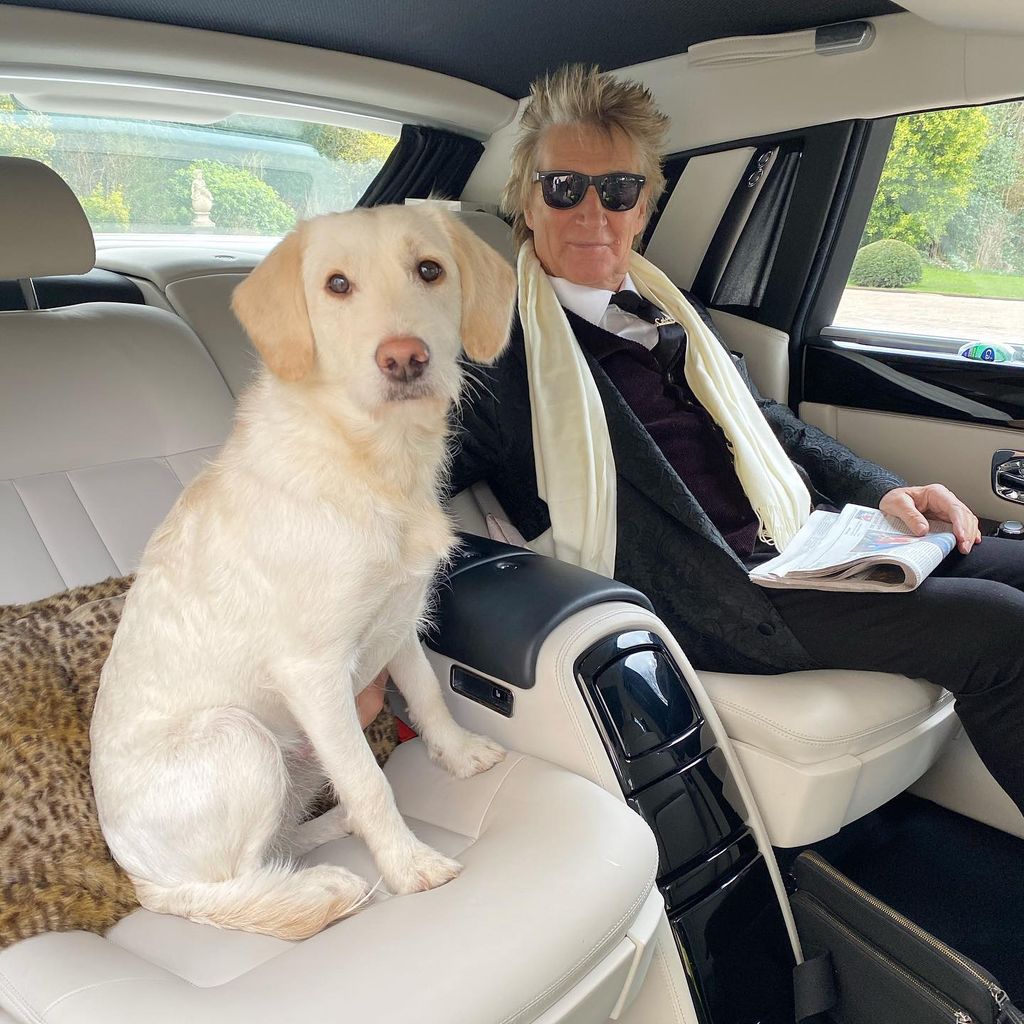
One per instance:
(429,270)
(338,283)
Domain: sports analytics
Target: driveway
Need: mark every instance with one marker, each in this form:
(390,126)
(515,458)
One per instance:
(947,316)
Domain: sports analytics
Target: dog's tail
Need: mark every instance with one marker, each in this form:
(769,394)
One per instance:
(277,899)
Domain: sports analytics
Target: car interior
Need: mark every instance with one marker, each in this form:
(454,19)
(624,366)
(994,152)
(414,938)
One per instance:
(629,861)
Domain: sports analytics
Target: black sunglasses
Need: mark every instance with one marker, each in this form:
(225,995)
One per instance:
(618,191)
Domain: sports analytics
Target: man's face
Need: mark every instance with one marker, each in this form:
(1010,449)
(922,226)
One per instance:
(587,244)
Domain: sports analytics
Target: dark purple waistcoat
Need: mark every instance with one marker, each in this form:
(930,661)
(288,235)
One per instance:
(688,437)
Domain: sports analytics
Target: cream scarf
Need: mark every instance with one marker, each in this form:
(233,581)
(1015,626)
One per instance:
(575,467)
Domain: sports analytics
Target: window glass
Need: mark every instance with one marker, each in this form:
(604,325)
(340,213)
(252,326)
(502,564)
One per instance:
(943,250)
(244,175)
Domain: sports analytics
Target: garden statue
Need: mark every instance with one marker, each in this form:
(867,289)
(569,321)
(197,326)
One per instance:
(202,201)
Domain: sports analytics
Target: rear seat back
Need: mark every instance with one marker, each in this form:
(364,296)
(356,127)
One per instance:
(196,282)
(106,409)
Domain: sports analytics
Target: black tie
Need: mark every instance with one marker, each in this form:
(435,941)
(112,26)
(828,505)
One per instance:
(671,345)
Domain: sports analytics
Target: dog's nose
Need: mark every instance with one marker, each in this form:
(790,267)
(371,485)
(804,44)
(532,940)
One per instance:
(403,358)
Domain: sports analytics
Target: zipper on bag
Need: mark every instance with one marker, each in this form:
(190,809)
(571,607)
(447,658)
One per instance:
(954,1013)
(998,996)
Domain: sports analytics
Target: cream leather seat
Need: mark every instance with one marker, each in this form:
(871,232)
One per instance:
(822,749)
(106,411)
(549,919)
(819,749)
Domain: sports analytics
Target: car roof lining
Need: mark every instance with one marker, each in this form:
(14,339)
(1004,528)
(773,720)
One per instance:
(502,47)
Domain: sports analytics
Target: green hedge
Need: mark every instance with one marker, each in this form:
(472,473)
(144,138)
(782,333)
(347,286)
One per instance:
(242,203)
(106,210)
(887,264)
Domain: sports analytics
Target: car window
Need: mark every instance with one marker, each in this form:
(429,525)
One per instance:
(245,175)
(942,254)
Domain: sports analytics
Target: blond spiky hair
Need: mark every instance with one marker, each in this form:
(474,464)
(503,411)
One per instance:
(579,95)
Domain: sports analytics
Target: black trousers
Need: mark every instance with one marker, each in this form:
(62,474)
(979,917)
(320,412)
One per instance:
(963,629)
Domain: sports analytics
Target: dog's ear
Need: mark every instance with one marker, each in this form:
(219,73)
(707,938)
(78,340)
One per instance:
(488,293)
(271,305)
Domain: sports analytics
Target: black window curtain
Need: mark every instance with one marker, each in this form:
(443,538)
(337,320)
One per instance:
(426,161)
(745,278)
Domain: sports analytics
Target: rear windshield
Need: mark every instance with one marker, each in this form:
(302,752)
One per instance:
(242,176)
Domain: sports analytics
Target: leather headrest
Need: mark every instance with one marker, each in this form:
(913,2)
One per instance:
(44,229)
(493,230)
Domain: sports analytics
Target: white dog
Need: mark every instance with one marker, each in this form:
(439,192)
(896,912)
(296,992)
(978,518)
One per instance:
(288,573)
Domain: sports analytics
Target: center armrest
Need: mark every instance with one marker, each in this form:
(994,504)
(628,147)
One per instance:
(498,603)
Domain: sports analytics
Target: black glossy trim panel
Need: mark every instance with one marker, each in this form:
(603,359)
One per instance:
(738,955)
(683,886)
(887,380)
(722,903)
(690,812)
(643,701)
(643,708)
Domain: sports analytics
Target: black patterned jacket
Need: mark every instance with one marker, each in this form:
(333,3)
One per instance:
(667,547)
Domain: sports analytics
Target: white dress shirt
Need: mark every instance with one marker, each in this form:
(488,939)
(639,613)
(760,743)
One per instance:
(592,305)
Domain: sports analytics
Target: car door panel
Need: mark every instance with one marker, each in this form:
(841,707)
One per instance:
(922,450)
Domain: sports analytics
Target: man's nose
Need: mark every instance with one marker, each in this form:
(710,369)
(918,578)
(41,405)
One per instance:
(590,206)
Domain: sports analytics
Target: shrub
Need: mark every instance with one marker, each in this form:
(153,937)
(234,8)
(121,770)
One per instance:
(107,211)
(242,203)
(888,263)
(24,132)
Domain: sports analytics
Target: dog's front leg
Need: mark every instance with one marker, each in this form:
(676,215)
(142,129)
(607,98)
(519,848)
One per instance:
(325,708)
(461,752)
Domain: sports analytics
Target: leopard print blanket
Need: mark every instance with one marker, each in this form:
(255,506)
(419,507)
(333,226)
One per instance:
(56,873)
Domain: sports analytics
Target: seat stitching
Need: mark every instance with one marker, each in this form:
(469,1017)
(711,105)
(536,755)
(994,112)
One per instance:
(631,912)
(670,985)
(166,460)
(782,730)
(157,960)
(56,569)
(114,462)
(15,996)
(486,810)
(111,981)
(581,736)
(92,522)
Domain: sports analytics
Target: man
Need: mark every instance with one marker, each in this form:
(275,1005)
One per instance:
(656,460)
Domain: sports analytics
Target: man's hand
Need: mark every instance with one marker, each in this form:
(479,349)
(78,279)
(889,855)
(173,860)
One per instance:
(913,504)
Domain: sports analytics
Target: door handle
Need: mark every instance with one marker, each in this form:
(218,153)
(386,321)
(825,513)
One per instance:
(1008,474)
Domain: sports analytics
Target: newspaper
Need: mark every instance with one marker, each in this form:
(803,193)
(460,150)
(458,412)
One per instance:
(857,549)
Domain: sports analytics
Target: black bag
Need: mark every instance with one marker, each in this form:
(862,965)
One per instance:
(880,965)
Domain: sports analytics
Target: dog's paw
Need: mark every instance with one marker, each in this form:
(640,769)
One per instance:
(423,868)
(468,754)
